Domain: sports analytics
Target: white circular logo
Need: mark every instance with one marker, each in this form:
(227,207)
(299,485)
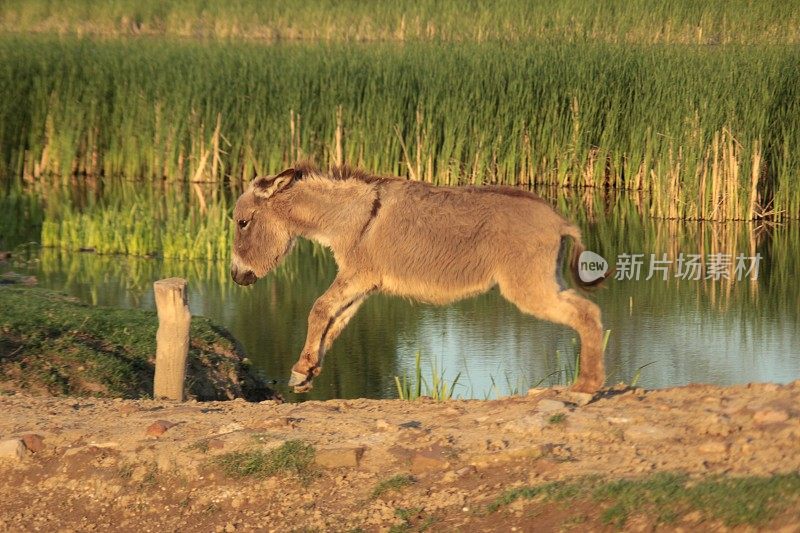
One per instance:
(591,266)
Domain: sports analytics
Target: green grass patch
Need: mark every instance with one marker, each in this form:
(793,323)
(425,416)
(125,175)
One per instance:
(394,483)
(53,344)
(292,457)
(413,388)
(412,518)
(558,418)
(665,497)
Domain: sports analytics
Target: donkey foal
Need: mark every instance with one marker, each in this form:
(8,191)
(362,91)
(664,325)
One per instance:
(434,244)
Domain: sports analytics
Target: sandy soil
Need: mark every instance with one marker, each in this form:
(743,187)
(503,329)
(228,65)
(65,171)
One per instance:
(102,464)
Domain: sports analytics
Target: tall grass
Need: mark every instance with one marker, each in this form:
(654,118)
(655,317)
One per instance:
(21,215)
(439,389)
(638,21)
(709,133)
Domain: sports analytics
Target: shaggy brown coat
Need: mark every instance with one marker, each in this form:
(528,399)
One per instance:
(433,244)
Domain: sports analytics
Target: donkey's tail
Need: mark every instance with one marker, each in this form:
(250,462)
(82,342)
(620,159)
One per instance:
(572,232)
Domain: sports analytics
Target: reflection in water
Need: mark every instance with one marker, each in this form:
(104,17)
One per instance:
(719,332)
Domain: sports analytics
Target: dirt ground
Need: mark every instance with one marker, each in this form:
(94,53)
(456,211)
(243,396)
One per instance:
(73,464)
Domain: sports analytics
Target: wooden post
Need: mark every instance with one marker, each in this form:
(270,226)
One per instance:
(172,339)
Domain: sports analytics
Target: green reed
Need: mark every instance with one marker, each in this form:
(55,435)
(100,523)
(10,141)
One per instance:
(707,132)
(21,215)
(169,221)
(640,21)
(413,388)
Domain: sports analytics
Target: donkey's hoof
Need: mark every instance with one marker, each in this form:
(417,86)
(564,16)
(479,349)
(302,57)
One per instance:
(303,387)
(297,379)
(585,387)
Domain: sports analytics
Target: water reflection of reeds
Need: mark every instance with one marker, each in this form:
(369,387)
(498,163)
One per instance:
(485,335)
(188,228)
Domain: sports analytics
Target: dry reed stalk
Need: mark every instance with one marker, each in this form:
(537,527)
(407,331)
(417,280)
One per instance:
(715,179)
(754,209)
(216,162)
(338,137)
(414,176)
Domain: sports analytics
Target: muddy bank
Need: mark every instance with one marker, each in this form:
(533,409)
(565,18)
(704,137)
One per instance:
(377,464)
(52,344)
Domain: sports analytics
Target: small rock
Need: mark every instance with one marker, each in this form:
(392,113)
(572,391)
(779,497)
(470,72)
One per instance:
(713,447)
(526,424)
(449,477)
(538,391)
(12,450)
(339,457)
(33,442)
(469,469)
(428,461)
(158,428)
(770,416)
(714,425)
(383,425)
(578,398)
(547,405)
(75,451)
(276,422)
(105,445)
(230,428)
(216,444)
(648,433)
(128,408)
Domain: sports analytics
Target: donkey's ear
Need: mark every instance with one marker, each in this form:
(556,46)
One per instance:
(268,186)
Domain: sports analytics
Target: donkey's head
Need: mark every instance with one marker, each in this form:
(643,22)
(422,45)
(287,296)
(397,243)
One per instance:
(262,234)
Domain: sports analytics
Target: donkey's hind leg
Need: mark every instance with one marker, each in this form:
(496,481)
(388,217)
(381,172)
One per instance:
(568,308)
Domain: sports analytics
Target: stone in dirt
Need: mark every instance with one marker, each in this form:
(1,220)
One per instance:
(339,457)
(578,398)
(33,442)
(12,450)
(648,433)
(383,425)
(128,409)
(426,461)
(770,416)
(158,428)
(547,405)
(712,447)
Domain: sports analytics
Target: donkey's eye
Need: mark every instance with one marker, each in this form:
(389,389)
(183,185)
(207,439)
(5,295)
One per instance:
(243,223)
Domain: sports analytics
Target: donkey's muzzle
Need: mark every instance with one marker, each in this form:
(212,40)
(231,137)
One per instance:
(243,277)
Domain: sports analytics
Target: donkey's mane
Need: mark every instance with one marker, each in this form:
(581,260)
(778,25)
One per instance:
(307,169)
(304,169)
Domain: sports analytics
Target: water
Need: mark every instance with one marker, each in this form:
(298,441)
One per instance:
(663,333)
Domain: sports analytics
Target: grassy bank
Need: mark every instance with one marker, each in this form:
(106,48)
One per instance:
(54,345)
(639,21)
(666,498)
(708,132)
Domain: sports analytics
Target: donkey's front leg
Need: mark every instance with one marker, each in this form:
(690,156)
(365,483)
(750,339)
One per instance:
(328,317)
